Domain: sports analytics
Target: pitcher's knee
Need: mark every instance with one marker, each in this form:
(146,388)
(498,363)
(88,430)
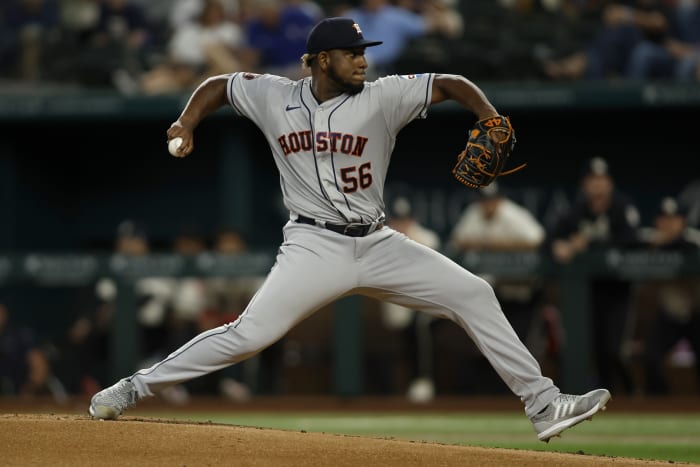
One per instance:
(468,293)
(477,287)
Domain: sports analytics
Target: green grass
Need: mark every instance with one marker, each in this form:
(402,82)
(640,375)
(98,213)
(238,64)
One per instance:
(670,437)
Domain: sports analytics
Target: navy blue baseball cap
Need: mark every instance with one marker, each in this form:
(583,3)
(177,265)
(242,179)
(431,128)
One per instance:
(336,33)
(595,166)
(129,228)
(670,206)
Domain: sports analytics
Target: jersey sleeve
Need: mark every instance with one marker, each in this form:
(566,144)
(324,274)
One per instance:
(405,98)
(250,93)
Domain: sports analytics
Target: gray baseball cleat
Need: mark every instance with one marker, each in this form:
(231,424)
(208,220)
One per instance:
(568,410)
(109,403)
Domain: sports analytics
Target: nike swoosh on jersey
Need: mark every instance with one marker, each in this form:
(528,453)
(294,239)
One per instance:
(289,107)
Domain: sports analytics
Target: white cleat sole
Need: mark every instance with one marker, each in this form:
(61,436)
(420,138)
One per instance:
(101,412)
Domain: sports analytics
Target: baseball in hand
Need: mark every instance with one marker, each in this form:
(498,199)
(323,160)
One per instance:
(173,145)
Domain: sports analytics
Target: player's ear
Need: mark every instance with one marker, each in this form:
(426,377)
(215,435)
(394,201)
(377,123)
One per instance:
(323,60)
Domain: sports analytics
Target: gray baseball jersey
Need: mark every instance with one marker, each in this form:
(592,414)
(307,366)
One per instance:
(333,158)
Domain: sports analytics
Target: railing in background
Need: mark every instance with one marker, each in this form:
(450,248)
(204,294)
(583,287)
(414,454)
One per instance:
(18,106)
(76,269)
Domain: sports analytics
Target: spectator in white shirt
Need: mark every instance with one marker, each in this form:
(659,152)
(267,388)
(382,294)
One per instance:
(495,222)
(213,44)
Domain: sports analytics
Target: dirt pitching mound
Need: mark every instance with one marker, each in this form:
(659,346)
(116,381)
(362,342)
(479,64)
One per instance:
(76,440)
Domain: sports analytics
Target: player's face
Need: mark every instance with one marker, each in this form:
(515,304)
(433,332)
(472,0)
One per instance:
(598,190)
(347,69)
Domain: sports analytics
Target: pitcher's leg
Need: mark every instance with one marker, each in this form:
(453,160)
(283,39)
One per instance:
(300,283)
(205,353)
(421,278)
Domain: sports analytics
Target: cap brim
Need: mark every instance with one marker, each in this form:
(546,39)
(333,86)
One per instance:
(364,43)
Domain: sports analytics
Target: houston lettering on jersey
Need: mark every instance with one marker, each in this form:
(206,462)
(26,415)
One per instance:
(345,143)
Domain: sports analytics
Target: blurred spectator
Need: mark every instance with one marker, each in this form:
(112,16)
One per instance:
(182,304)
(189,294)
(397,26)
(230,295)
(84,350)
(184,12)
(311,8)
(227,298)
(131,239)
(670,229)
(415,327)
(568,7)
(84,353)
(77,19)
(79,16)
(623,25)
(115,50)
(153,294)
(690,197)
(29,27)
(676,56)
(602,217)
(210,45)
(674,318)
(181,12)
(277,32)
(25,369)
(494,222)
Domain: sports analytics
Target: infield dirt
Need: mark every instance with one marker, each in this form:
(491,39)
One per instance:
(32,438)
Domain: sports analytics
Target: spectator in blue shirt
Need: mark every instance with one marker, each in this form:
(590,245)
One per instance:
(29,27)
(624,24)
(277,32)
(677,56)
(395,27)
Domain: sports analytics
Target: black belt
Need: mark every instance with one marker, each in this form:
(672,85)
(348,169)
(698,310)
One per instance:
(351,230)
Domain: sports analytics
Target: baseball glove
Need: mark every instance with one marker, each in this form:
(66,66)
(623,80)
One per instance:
(490,145)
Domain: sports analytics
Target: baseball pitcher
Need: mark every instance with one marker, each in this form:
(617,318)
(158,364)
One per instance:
(332,135)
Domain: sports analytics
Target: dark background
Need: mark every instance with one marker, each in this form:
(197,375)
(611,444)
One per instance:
(67,183)
(73,167)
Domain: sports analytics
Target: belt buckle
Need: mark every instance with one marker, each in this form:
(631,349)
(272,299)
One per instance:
(355,229)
